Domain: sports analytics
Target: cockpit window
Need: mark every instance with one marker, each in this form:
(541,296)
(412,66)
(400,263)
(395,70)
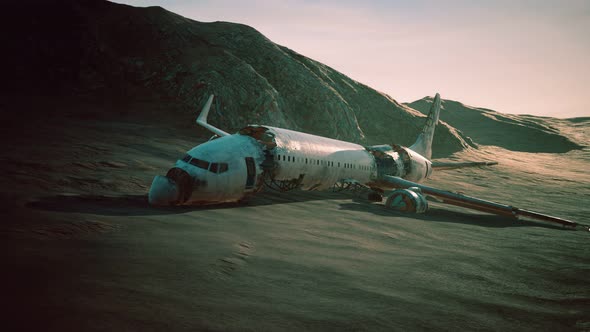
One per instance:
(218,168)
(212,167)
(200,163)
(223,167)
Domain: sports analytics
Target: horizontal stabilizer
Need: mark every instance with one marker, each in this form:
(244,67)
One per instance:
(441,165)
(480,204)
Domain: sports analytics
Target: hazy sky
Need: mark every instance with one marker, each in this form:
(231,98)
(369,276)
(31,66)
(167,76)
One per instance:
(515,56)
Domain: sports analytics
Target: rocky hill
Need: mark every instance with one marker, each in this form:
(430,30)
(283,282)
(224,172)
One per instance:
(92,52)
(527,133)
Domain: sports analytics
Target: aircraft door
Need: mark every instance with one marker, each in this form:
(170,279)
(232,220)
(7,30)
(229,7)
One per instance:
(251,169)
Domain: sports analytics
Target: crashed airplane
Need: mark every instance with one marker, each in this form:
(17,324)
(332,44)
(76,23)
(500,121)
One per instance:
(230,168)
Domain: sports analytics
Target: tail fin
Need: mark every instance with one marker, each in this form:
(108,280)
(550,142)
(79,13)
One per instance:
(423,144)
(202,119)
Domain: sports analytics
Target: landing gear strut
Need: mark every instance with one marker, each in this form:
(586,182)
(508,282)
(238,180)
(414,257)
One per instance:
(375,197)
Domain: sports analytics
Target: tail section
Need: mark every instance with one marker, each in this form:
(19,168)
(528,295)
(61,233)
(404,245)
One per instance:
(423,144)
(202,119)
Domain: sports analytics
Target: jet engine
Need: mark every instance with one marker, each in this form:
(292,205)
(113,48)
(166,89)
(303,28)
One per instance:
(407,200)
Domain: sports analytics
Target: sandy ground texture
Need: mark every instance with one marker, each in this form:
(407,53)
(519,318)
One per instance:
(82,250)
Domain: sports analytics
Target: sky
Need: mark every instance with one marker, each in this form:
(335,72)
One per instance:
(520,56)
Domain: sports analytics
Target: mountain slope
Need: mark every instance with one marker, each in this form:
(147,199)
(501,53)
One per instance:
(525,133)
(101,52)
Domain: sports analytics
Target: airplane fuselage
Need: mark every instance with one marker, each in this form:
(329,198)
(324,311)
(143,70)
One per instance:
(230,168)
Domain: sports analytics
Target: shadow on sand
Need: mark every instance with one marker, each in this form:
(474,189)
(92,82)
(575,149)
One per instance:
(137,205)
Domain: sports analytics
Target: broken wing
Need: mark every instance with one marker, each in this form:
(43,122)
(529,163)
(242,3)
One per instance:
(480,204)
(441,165)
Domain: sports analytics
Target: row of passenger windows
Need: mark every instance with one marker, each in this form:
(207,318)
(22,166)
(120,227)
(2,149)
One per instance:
(321,162)
(212,167)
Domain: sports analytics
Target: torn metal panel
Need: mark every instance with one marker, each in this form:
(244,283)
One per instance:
(396,160)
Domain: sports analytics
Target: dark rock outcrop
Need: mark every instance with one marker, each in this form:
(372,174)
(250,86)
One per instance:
(100,51)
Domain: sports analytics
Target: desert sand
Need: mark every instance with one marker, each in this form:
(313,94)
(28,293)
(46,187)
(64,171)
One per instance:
(101,97)
(82,250)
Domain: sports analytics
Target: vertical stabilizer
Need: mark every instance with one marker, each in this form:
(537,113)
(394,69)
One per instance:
(202,119)
(423,144)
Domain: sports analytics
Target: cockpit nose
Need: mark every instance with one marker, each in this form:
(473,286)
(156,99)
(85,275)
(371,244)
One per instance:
(163,191)
(173,189)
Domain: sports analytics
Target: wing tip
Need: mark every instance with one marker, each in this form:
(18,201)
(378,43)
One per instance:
(202,118)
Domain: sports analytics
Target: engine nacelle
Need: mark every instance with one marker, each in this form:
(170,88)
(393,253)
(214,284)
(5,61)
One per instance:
(408,200)
(415,167)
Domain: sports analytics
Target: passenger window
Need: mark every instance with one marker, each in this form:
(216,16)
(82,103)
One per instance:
(200,163)
(306,160)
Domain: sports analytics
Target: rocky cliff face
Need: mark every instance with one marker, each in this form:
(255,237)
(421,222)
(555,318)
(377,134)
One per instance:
(527,133)
(97,50)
